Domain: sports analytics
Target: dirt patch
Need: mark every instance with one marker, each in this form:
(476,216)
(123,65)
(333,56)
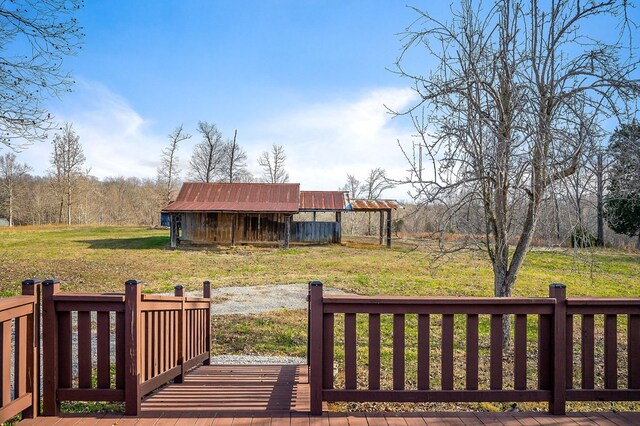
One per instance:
(263,298)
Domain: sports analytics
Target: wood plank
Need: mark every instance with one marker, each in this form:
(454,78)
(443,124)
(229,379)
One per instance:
(327,350)
(610,351)
(84,349)
(374,351)
(447,352)
(472,352)
(104,350)
(569,352)
(120,355)
(424,325)
(5,359)
(545,341)
(350,355)
(64,349)
(633,345)
(496,351)
(398,351)
(20,357)
(520,353)
(161,343)
(587,355)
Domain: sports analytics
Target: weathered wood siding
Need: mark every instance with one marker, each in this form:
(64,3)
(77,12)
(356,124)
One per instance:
(315,232)
(208,228)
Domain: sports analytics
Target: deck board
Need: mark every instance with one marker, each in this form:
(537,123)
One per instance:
(278,395)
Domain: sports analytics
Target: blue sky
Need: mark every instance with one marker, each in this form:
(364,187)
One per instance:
(309,75)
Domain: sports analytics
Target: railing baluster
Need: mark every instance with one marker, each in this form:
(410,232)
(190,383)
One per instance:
(398,351)
(520,353)
(84,349)
(120,355)
(327,350)
(374,351)
(569,352)
(545,359)
(64,349)
(587,352)
(447,352)
(350,367)
(20,357)
(496,352)
(633,346)
(5,358)
(424,325)
(610,351)
(103,349)
(161,343)
(472,352)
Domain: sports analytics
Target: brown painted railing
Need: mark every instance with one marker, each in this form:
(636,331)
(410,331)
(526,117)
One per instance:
(554,341)
(144,338)
(18,340)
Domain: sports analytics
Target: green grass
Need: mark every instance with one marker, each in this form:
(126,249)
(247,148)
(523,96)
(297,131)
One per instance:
(97,259)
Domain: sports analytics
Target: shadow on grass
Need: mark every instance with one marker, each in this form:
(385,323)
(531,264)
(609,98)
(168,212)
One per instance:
(143,243)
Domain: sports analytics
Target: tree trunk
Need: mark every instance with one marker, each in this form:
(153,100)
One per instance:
(638,243)
(600,201)
(10,207)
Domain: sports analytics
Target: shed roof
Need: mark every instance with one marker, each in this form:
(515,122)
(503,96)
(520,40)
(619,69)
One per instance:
(373,205)
(322,201)
(237,197)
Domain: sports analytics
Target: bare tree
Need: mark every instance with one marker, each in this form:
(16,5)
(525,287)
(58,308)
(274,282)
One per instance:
(11,172)
(169,171)
(234,166)
(35,37)
(272,164)
(374,185)
(511,87)
(67,160)
(208,156)
(352,187)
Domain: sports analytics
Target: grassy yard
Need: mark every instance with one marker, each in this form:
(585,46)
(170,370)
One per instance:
(101,258)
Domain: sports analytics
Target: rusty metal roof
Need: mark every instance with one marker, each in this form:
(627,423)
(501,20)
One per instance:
(237,197)
(373,205)
(322,200)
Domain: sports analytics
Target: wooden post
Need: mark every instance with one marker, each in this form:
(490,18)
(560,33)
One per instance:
(339,220)
(233,229)
(182,346)
(50,404)
(381,227)
(132,298)
(173,230)
(389,228)
(287,231)
(315,347)
(32,288)
(559,394)
(206,293)
(314,216)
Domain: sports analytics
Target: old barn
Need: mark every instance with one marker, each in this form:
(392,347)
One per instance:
(252,213)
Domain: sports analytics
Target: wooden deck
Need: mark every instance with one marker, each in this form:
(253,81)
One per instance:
(252,395)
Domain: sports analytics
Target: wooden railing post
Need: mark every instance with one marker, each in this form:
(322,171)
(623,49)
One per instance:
(206,293)
(32,288)
(132,300)
(315,346)
(50,404)
(559,349)
(182,349)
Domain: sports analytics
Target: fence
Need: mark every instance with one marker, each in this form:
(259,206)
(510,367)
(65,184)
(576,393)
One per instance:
(18,342)
(140,342)
(554,340)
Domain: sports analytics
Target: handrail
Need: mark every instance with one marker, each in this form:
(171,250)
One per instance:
(156,338)
(555,342)
(19,317)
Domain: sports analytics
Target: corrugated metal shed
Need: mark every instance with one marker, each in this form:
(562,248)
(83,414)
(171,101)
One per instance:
(373,205)
(237,197)
(322,201)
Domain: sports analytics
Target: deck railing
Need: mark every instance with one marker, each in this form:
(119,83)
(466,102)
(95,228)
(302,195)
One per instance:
(139,341)
(18,342)
(553,342)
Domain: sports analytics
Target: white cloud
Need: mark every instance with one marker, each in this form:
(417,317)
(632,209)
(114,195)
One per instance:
(325,141)
(117,140)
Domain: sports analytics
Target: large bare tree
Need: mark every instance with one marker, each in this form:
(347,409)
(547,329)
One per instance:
(169,170)
(35,37)
(234,165)
(11,172)
(67,160)
(499,115)
(272,163)
(207,160)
